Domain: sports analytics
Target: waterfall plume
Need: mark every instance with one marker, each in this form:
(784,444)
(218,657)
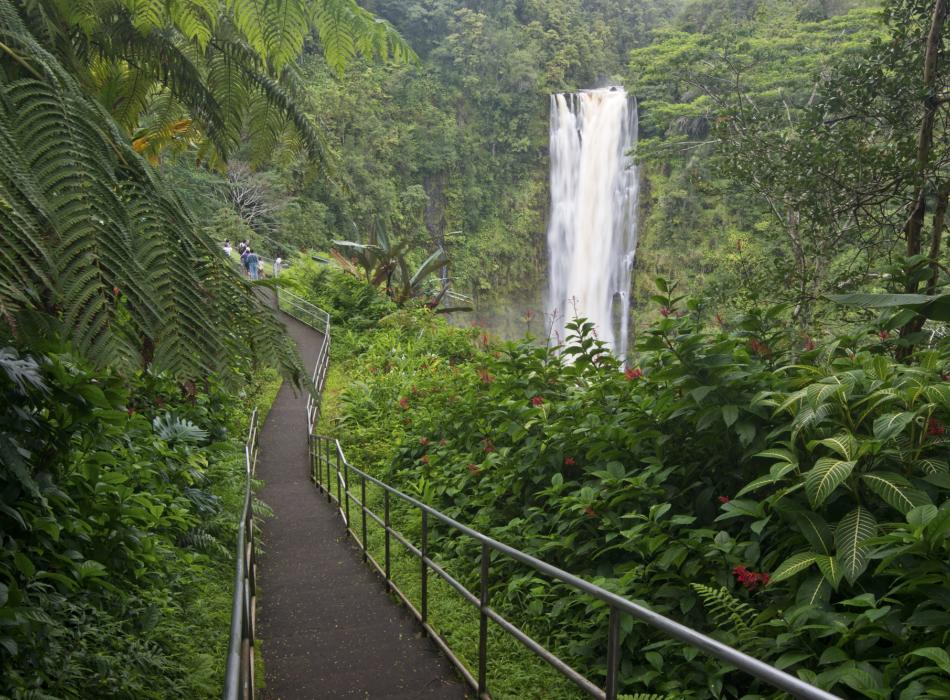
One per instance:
(592,233)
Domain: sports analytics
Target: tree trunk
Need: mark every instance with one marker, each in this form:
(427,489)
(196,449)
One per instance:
(914,225)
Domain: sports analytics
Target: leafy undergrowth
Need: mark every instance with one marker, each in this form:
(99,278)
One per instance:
(787,496)
(119,499)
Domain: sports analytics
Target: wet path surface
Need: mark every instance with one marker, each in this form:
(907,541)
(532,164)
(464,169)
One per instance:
(328,627)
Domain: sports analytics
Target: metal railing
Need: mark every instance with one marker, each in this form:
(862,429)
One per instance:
(318,320)
(239,676)
(330,469)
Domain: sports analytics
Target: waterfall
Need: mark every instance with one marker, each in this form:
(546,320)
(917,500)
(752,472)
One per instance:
(592,234)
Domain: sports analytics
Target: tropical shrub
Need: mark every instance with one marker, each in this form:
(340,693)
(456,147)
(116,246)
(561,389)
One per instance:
(118,503)
(785,495)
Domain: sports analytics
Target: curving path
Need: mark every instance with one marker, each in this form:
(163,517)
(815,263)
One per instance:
(328,627)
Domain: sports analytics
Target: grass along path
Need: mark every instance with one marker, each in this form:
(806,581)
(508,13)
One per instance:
(513,671)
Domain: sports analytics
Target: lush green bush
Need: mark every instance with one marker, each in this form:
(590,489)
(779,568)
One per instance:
(790,499)
(118,510)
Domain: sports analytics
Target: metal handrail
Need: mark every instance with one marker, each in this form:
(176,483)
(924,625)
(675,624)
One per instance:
(321,447)
(318,320)
(239,676)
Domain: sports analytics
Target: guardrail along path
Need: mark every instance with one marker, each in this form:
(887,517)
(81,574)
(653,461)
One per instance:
(328,628)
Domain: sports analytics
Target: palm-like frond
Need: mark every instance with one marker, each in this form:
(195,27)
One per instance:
(229,62)
(93,237)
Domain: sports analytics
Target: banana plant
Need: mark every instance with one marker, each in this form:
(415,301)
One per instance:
(384,263)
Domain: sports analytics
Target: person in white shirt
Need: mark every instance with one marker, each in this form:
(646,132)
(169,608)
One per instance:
(227,247)
(278,265)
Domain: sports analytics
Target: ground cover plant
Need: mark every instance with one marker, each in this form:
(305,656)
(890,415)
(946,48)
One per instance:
(118,508)
(784,493)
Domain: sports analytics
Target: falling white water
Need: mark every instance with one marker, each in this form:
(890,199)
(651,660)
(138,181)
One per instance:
(592,234)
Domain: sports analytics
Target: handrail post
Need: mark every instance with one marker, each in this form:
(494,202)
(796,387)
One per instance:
(424,608)
(329,477)
(363,501)
(483,623)
(339,492)
(613,652)
(386,527)
(313,473)
(346,490)
(317,475)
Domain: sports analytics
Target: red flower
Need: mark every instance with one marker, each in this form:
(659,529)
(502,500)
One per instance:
(718,320)
(130,410)
(424,459)
(488,445)
(116,291)
(934,428)
(569,462)
(724,499)
(664,312)
(474,469)
(537,401)
(590,512)
(809,345)
(632,373)
(883,335)
(750,579)
(760,348)
(423,441)
(404,403)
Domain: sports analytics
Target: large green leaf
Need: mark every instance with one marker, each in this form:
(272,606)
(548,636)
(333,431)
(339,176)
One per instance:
(895,490)
(932,307)
(852,533)
(844,444)
(815,530)
(793,565)
(827,474)
(891,424)
(831,569)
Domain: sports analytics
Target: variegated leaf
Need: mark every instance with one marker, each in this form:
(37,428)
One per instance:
(827,474)
(831,569)
(852,532)
(895,490)
(793,565)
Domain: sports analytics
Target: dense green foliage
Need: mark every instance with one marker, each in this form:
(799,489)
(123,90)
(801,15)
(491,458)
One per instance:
(118,503)
(787,496)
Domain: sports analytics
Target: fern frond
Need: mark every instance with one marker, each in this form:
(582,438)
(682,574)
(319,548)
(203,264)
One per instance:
(731,615)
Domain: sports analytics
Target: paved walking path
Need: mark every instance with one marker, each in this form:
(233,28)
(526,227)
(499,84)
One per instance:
(328,627)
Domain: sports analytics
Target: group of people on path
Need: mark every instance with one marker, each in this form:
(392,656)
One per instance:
(250,262)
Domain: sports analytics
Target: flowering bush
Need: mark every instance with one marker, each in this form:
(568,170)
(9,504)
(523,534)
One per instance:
(830,550)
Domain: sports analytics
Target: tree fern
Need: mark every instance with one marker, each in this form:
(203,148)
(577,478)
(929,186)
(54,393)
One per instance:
(218,58)
(96,240)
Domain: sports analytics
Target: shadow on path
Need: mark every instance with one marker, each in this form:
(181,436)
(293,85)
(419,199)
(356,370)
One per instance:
(328,627)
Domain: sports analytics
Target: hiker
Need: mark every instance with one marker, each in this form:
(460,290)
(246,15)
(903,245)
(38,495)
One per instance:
(244,255)
(227,247)
(253,263)
(278,264)
(242,246)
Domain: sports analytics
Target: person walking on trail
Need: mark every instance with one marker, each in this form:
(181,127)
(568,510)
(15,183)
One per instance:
(278,265)
(253,263)
(227,247)
(244,255)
